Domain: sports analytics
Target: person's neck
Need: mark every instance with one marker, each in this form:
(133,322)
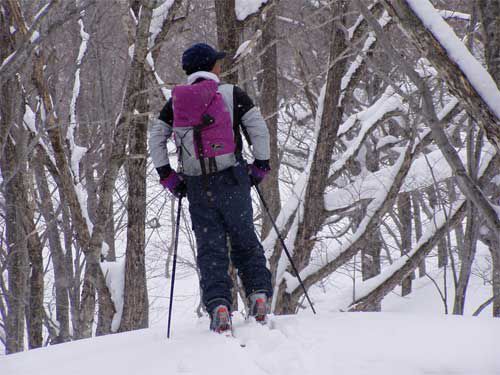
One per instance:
(202,74)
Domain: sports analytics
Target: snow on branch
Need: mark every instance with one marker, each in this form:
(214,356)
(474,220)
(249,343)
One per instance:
(247,46)
(114,274)
(290,21)
(158,19)
(446,14)
(358,26)
(166,92)
(458,52)
(340,254)
(360,58)
(376,288)
(244,8)
(29,120)
(32,37)
(466,78)
(299,188)
(418,177)
(161,20)
(368,186)
(369,118)
(77,152)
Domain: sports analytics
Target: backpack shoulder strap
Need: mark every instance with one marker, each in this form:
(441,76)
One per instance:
(226,90)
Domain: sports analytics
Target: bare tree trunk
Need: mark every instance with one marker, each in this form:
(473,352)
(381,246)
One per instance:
(418,230)
(12,183)
(370,262)
(442,253)
(269,109)
(109,236)
(17,244)
(493,242)
(467,254)
(106,306)
(372,246)
(61,279)
(67,186)
(495,256)
(404,212)
(467,245)
(72,264)
(26,241)
(331,117)
(489,11)
(228,35)
(136,306)
(103,101)
(442,246)
(35,309)
(115,162)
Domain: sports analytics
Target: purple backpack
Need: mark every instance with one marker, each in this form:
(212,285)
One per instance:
(201,107)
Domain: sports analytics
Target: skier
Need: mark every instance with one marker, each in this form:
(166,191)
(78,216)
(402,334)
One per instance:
(205,117)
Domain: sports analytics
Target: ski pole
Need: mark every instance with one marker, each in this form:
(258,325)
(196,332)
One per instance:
(174,263)
(284,246)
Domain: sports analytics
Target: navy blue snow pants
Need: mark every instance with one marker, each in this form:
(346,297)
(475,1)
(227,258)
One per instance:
(221,204)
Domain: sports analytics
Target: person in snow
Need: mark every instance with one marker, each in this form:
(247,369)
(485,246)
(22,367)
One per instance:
(205,117)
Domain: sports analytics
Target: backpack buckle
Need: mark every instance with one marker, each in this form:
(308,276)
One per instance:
(207,120)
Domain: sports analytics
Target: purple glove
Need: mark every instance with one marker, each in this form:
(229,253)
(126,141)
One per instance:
(258,171)
(175,184)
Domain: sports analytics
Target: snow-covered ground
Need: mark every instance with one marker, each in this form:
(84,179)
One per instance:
(329,343)
(412,335)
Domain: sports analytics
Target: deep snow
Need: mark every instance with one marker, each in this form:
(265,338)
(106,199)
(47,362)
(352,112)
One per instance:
(329,343)
(411,337)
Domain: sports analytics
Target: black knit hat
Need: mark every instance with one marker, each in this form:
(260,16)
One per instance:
(200,56)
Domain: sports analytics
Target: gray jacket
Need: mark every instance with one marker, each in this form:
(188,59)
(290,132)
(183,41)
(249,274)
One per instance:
(242,111)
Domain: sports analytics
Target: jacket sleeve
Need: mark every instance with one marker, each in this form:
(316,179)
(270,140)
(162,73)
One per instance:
(253,123)
(161,130)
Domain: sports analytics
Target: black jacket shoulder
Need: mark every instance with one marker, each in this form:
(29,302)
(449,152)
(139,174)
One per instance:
(167,113)
(242,103)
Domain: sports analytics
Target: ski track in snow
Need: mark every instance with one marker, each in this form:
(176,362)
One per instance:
(329,343)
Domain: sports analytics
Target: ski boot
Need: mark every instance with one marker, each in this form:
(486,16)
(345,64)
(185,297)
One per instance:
(220,319)
(259,307)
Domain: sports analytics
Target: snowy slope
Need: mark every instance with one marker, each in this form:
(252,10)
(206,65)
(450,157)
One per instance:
(329,343)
